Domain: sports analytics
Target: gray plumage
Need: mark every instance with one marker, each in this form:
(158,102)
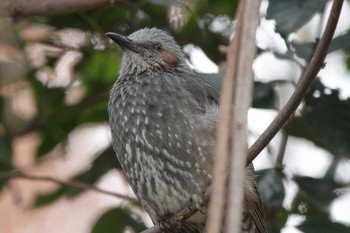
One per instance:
(163,120)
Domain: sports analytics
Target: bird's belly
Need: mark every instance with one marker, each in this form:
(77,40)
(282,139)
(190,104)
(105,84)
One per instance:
(160,193)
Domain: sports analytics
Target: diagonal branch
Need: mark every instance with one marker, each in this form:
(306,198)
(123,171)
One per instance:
(317,62)
(73,184)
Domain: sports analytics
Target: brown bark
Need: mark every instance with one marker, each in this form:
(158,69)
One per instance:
(15,8)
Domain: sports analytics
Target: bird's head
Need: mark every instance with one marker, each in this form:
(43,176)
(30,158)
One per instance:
(149,49)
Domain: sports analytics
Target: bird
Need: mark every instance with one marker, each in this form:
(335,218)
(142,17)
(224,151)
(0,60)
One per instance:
(163,119)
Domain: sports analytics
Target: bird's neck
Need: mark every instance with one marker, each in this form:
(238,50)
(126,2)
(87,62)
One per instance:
(136,67)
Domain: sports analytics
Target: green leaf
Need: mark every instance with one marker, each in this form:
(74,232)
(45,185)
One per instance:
(328,118)
(276,219)
(101,66)
(57,119)
(155,15)
(306,50)
(290,15)
(101,165)
(5,157)
(302,205)
(96,110)
(42,200)
(270,187)
(272,193)
(115,221)
(340,42)
(320,191)
(115,18)
(298,127)
(5,154)
(264,96)
(322,225)
(94,20)
(224,8)
(167,3)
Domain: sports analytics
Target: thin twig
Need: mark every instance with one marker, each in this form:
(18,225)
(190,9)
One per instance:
(282,150)
(310,73)
(73,184)
(283,144)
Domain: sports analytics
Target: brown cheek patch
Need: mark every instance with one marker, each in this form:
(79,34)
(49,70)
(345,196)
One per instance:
(170,59)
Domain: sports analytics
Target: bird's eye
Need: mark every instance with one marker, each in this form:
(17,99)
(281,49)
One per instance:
(158,47)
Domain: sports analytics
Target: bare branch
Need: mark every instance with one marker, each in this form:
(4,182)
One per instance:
(50,7)
(73,184)
(310,73)
(244,79)
(222,153)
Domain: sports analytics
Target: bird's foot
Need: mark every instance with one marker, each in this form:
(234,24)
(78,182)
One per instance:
(166,223)
(191,206)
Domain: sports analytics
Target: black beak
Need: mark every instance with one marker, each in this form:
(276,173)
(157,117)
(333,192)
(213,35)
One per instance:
(123,42)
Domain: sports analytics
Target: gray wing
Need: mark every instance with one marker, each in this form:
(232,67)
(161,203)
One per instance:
(202,90)
(214,79)
(257,214)
(205,93)
(253,205)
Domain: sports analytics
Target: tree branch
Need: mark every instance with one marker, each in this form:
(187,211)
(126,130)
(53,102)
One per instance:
(244,79)
(223,136)
(310,73)
(281,150)
(50,7)
(73,184)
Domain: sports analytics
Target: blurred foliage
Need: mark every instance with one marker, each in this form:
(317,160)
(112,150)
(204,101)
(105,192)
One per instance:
(5,157)
(324,120)
(105,162)
(264,96)
(117,219)
(305,50)
(290,15)
(320,191)
(328,118)
(272,194)
(42,200)
(271,187)
(322,225)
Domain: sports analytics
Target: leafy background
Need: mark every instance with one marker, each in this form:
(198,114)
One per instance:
(55,76)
